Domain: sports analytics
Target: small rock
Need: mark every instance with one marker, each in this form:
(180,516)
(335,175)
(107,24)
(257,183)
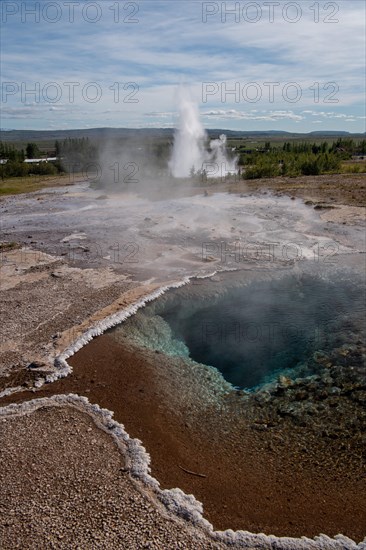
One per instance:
(285,381)
(320,357)
(36,365)
(259,427)
(301,395)
(209,259)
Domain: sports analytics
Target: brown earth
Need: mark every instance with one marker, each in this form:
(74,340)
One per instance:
(335,189)
(304,488)
(274,480)
(71,490)
(345,189)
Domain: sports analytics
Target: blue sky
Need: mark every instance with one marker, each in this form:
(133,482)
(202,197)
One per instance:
(295,66)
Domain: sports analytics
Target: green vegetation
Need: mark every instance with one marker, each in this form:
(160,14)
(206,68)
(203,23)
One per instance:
(13,169)
(353,168)
(71,154)
(10,152)
(76,153)
(32,151)
(13,165)
(28,184)
(145,157)
(301,159)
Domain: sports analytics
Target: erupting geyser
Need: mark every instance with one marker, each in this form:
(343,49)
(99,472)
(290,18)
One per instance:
(190,153)
(189,141)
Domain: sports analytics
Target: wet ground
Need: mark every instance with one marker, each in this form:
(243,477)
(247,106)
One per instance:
(299,433)
(174,237)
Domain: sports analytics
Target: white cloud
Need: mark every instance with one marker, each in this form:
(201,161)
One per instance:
(244,115)
(171,45)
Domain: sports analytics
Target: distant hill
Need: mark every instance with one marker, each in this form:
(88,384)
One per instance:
(333,133)
(168,133)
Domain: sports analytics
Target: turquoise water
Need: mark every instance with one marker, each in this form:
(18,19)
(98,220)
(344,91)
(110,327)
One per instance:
(256,332)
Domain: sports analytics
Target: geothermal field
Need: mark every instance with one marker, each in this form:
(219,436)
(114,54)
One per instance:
(192,355)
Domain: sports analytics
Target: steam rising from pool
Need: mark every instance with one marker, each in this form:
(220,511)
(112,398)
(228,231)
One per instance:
(257,332)
(265,328)
(189,152)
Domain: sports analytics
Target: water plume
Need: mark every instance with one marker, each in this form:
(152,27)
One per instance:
(190,153)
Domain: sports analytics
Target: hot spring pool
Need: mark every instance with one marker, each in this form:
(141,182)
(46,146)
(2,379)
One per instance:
(266,328)
(255,332)
(255,379)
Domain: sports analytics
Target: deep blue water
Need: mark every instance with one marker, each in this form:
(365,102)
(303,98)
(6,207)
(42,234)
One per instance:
(258,331)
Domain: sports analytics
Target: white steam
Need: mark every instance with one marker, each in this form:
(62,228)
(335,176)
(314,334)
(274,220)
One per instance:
(219,157)
(189,140)
(189,152)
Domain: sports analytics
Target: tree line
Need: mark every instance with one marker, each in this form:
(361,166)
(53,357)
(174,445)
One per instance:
(300,159)
(71,154)
(291,159)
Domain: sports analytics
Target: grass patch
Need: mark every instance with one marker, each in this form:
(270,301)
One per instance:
(27,184)
(353,168)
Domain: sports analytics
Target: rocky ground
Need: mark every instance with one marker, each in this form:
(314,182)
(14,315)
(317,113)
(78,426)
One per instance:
(337,189)
(47,301)
(71,490)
